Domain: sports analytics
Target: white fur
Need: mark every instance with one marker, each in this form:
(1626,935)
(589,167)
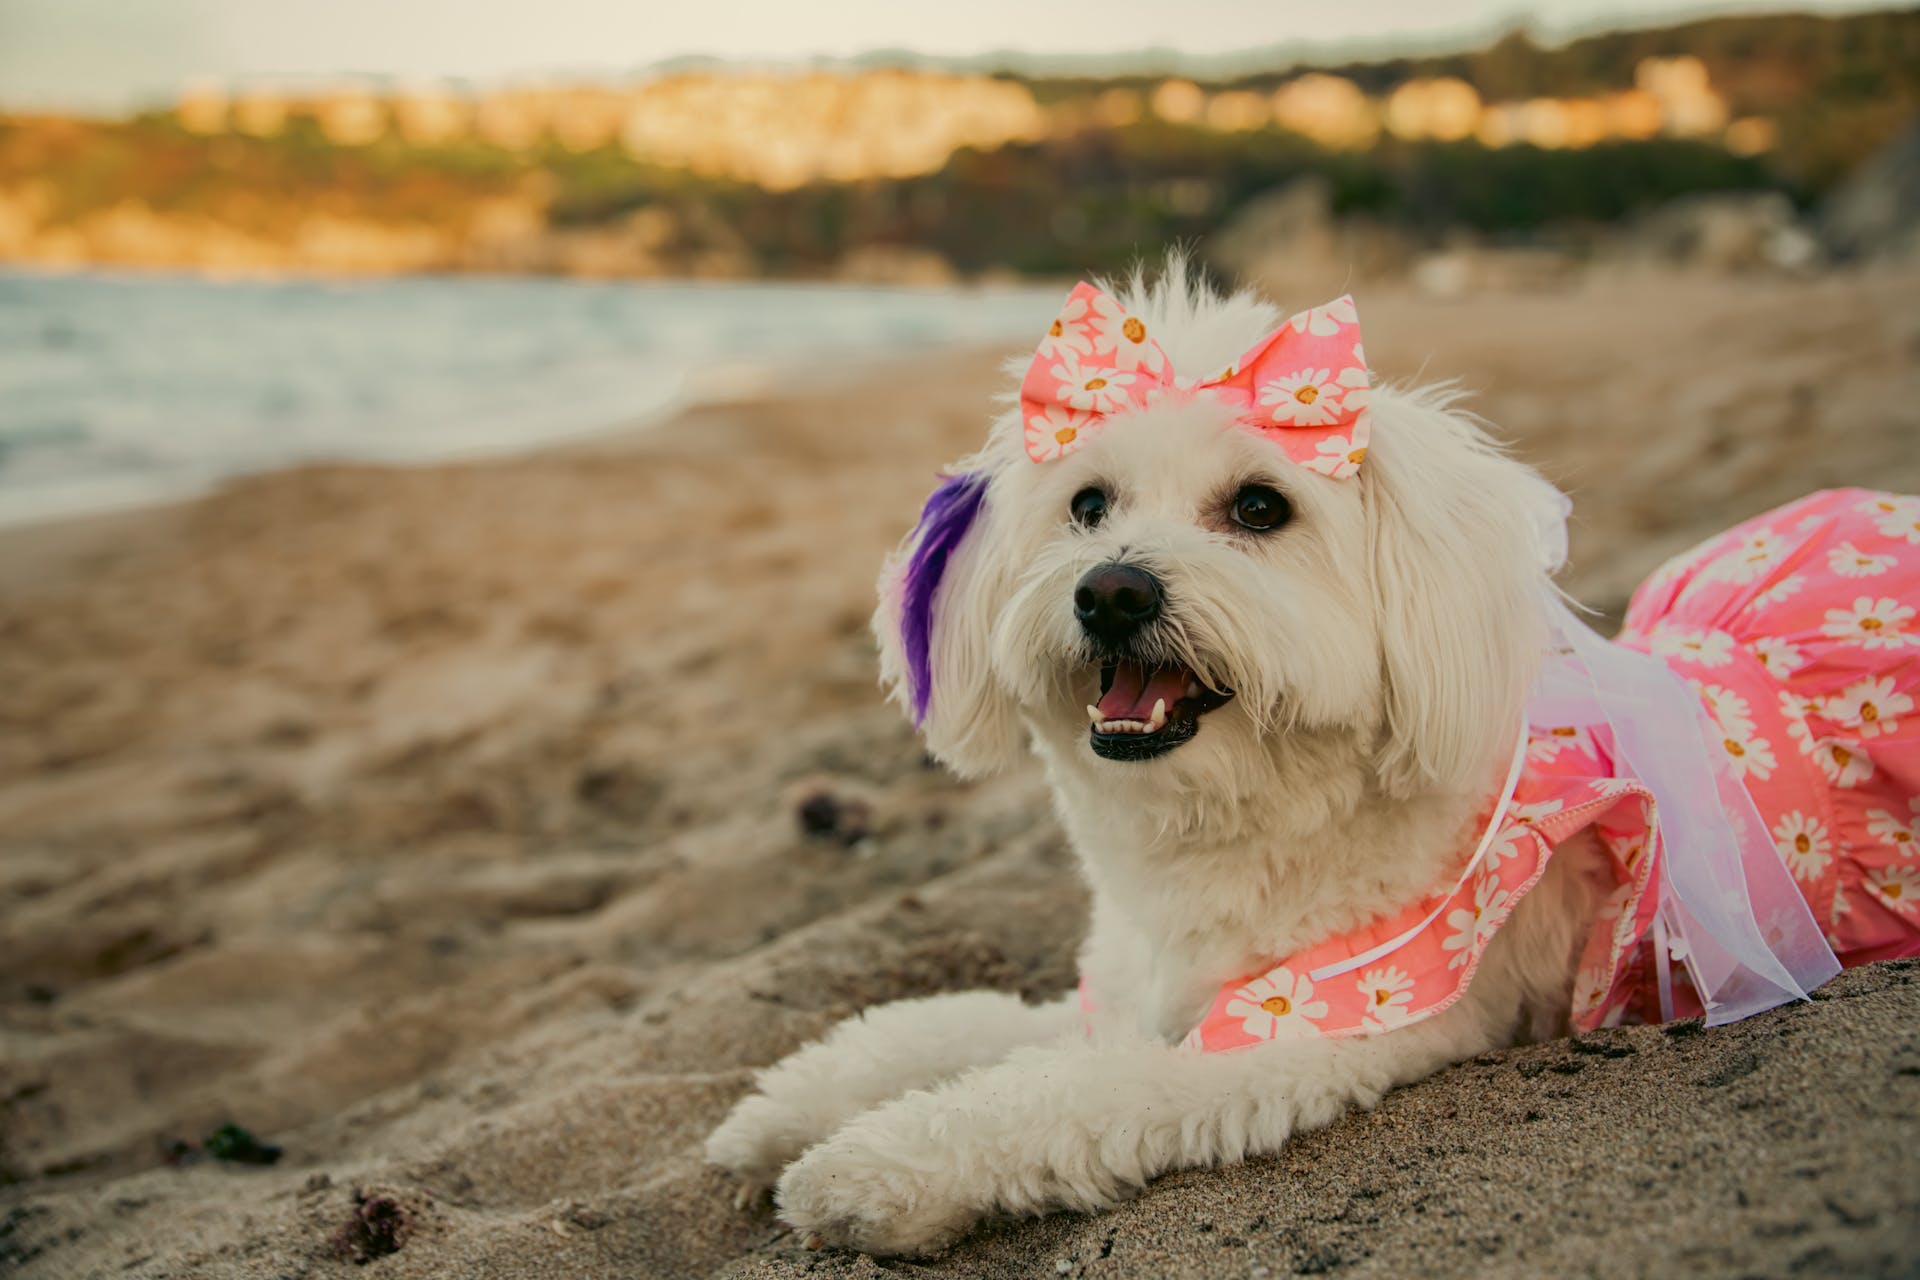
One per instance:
(1381,645)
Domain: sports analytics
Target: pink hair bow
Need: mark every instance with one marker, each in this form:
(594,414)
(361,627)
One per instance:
(1304,386)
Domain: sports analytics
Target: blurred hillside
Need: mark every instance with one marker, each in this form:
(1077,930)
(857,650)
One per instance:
(927,175)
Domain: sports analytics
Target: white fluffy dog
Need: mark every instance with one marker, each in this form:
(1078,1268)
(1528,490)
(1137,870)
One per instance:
(1356,655)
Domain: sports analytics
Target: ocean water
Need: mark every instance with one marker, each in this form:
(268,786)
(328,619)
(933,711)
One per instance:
(123,390)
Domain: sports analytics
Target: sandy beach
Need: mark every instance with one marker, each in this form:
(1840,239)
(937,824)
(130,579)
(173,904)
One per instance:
(442,826)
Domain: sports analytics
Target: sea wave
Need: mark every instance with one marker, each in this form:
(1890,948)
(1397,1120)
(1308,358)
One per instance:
(125,390)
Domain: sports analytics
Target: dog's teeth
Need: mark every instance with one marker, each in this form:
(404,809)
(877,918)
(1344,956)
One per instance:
(1093,713)
(1159,718)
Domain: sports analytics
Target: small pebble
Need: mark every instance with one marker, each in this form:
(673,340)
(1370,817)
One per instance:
(236,1145)
(827,815)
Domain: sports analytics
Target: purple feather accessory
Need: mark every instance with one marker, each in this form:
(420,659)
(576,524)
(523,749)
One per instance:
(944,522)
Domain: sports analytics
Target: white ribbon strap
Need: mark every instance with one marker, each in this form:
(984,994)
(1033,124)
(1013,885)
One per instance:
(1479,855)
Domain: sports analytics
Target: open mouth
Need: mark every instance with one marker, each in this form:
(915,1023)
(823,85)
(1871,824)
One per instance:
(1145,711)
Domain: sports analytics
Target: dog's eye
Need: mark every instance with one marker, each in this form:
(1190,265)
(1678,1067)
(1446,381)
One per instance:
(1260,509)
(1088,508)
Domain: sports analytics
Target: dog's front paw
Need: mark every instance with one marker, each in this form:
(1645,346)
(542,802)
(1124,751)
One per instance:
(758,1139)
(852,1192)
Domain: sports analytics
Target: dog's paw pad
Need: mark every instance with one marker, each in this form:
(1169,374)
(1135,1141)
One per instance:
(848,1193)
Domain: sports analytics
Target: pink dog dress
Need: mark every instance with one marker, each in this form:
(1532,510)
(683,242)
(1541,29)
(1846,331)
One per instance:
(1797,631)
(1748,752)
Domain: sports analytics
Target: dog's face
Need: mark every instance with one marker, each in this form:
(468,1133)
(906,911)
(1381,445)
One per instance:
(1180,585)
(1176,603)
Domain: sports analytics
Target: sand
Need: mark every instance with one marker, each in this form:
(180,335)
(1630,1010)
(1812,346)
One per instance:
(441,825)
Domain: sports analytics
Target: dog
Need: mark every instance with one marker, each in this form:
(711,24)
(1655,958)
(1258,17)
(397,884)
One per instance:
(1268,631)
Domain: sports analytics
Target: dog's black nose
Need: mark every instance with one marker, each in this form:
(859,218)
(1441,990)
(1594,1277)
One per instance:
(1115,601)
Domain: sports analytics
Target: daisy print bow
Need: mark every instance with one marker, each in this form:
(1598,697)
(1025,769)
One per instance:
(1304,386)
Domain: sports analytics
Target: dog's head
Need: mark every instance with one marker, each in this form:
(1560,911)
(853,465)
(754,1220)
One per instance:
(1179,596)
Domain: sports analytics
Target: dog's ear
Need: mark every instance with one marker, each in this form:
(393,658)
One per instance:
(938,599)
(1460,551)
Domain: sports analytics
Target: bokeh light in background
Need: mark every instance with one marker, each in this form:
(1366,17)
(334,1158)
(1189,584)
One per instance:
(591,140)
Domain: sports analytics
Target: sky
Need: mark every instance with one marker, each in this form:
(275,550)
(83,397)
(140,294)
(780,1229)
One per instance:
(112,54)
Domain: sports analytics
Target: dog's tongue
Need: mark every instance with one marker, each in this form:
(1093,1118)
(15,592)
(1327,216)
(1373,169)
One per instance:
(1135,689)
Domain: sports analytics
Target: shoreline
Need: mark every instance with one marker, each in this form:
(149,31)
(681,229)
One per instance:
(417,372)
(742,386)
(37,550)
